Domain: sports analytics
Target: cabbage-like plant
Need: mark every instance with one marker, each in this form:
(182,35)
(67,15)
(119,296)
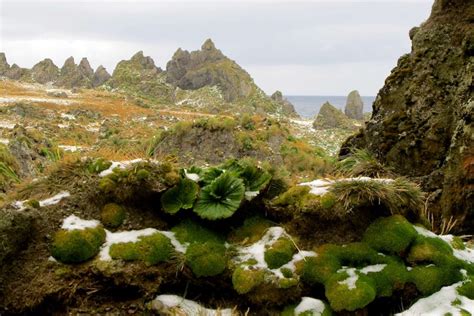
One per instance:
(181,196)
(254,177)
(221,198)
(210,175)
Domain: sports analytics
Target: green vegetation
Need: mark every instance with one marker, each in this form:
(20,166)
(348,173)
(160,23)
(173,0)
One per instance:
(362,163)
(221,198)
(78,245)
(245,280)
(391,234)
(181,196)
(191,232)
(112,215)
(429,279)
(8,168)
(151,249)
(467,288)
(98,165)
(206,259)
(343,295)
(251,231)
(279,253)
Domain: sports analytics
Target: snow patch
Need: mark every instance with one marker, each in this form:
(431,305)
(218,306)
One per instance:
(351,280)
(68,116)
(70,148)
(7,124)
(309,304)
(177,305)
(441,303)
(249,195)
(4,141)
(373,268)
(73,222)
(120,165)
(192,176)
(37,100)
(55,199)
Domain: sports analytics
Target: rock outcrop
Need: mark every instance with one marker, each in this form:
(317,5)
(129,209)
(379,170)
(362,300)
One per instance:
(354,106)
(101,76)
(331,117)
(209,67)
(17,73)
(75,76)
(4,66)
(422,118)
(287,107)
(45,71)
(141,77)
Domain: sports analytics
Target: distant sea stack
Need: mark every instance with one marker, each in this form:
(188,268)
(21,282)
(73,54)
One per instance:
(422,120)
(354,106)
(209,67)
(330,117)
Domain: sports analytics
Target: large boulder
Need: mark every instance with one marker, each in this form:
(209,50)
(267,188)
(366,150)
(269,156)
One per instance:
(4,66)
(331,117)
(45,71)
(354,106)
(421,122)
(101,76)
(209,67)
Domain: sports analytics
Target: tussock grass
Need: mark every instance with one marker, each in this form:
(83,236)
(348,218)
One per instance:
(399,196)
(363,163)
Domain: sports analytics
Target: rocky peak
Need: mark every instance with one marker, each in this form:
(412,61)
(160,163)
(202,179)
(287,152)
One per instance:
(17,73)
(4,66)
(421,122)
(277,96)
(85,68)
(354,106)
(146,62)
(101,75)
(74,76)
(45,71)
(208,67)
(69,65)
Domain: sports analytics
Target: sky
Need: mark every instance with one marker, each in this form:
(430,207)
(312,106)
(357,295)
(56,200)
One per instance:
(299,47)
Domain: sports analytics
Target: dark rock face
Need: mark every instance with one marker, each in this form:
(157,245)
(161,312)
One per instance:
(354,106)
(45,71)
(15,230)
(287,107)
(4,66)
(209,67)
(100,76)
(330,117)
(75,76)
(422,118)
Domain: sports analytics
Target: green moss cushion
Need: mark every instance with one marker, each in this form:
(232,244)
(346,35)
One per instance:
(279,253)
(390,234)
(78,245)
(206,259)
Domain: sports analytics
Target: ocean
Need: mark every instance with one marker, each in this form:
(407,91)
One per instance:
(308,105)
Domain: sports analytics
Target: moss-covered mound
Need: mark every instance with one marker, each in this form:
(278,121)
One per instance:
(77,245)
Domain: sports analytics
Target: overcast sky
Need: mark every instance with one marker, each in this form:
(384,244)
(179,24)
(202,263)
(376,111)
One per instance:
(302,48)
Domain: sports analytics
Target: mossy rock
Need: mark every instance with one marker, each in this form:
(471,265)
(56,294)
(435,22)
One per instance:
(245,280)
(151,249)
(392,277)
(390,234)
(77,245)
(328,200)
(112,215)
(356,254)
(206,259)
(432,250)
(430,279)
(319,269)
(343,297)
(279,253)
